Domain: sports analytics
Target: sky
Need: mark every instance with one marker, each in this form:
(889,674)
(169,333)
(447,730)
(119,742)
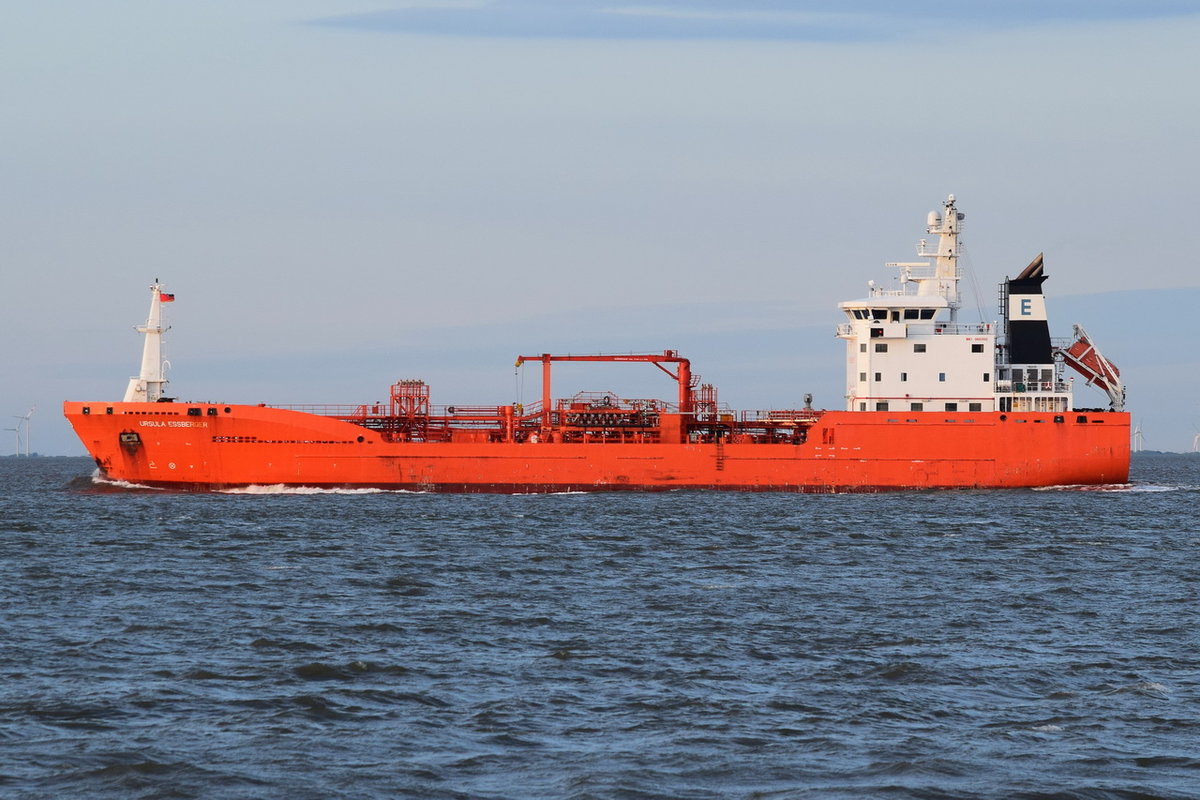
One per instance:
(344,194)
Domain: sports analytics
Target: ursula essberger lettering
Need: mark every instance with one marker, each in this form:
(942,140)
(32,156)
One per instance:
(172,423)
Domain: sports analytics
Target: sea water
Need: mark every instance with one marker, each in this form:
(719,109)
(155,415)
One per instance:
(305,644)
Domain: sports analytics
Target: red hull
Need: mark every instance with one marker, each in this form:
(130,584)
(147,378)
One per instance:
(203,447)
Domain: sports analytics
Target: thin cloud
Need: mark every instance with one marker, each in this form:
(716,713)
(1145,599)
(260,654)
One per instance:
(795,20)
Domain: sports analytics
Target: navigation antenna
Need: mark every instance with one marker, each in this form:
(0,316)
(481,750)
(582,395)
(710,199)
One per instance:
(938,276)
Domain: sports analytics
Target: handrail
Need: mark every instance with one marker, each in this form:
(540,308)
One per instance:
(926,327)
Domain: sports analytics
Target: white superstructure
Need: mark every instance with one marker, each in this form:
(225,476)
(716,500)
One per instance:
(907,350)
(147,387)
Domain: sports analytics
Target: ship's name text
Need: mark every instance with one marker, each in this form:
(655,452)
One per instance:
(171,423)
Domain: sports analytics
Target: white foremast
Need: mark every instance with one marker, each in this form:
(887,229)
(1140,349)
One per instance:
(147,387)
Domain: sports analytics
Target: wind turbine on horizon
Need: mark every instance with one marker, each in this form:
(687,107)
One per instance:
(1139,441)
(24,419)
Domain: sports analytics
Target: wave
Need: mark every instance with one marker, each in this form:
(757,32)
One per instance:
(99,480)
(1131,488)
(1147,688)
(282,488)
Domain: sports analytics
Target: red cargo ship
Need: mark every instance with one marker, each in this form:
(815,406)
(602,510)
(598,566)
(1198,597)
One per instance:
(931,402)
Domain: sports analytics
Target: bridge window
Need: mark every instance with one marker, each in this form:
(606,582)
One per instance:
(912,313)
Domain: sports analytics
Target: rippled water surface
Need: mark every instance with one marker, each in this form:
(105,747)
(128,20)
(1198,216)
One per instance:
(679,645)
